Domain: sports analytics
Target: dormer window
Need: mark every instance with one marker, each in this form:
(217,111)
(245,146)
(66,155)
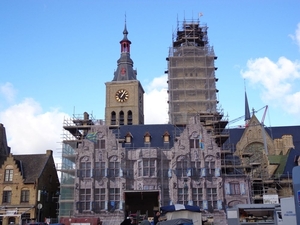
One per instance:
(147,138)
(166,137)
(128,138)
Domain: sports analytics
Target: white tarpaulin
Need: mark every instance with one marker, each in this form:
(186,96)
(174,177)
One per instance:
(195,216)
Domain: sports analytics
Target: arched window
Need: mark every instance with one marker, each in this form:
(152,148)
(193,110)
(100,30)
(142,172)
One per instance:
(113,118)
(121,116)
(129,117)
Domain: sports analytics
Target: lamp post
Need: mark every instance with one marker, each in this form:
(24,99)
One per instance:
(39,206)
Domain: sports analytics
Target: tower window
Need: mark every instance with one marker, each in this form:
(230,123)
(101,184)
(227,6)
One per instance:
(121,116)
(113,118)
(129,117)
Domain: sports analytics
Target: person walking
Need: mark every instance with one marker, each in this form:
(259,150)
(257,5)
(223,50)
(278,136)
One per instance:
(145,221)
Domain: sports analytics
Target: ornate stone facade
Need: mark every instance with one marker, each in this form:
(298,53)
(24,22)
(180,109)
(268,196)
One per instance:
(110,167)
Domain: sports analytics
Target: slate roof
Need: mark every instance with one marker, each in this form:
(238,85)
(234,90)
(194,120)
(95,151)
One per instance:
(276,132)
(155,130)
(31,166)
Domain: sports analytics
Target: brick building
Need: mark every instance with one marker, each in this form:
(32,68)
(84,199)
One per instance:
(29,186)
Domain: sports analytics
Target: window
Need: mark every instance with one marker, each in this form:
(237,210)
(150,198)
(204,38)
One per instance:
(181,168)
(182,195)
(99,169)
(25,196)
(166,137)
(25,216)
(9,175)
(194,143)
(129,117)
(114,169)
(84,199)
(147,168)
(6,197)
(99,200)
(128,138)
(114,199)
(197,196)
(212,198)
(121,116)
(101,144)
(85,169)
(212,193)
(113,118)
(147,137)
(235,188)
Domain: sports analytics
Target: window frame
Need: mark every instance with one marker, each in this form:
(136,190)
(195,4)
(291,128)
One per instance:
(85,198)
(7,194)
(99,199)
(25,196)
(9,175)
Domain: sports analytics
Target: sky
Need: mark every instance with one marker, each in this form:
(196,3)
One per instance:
(56,56)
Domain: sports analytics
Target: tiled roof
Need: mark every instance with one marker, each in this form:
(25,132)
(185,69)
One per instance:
(31,166)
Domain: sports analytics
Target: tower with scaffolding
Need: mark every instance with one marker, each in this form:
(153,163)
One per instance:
(191,79)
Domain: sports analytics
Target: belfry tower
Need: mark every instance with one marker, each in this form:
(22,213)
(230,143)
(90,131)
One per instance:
(124,94)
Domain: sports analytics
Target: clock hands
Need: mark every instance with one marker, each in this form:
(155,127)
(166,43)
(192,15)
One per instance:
(123,93)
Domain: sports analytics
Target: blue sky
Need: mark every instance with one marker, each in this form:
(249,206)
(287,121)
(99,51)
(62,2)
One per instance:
(55,57)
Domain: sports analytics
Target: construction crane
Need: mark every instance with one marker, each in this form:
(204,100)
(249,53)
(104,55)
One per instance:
(253,112)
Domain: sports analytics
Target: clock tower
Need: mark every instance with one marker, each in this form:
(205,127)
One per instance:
(124,94)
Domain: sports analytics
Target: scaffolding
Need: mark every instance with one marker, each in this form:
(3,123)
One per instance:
(75,130)
(191,74)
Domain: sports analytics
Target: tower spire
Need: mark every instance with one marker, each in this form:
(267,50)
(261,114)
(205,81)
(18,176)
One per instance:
(247,111)
(125,69)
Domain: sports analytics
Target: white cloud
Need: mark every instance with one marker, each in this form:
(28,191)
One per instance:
(296,36)
(277,82)
(29,130)
(155,101)
(8,91)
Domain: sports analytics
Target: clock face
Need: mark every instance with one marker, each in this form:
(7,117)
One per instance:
(122,95)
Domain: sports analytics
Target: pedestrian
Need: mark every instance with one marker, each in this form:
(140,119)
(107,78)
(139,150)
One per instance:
(145,221)
(156,217)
